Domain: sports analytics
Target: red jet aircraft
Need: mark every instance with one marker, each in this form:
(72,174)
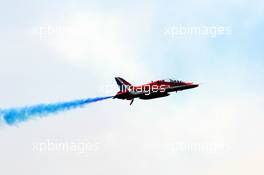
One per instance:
(155,89)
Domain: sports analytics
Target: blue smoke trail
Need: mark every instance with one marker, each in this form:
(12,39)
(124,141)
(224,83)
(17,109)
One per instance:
(15,115)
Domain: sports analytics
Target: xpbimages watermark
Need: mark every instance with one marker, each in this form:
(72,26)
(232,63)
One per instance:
(199,147)
(147,89)
(173,32)
(79,147)
(49,31)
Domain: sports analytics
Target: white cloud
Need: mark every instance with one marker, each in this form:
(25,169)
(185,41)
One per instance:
(104,43)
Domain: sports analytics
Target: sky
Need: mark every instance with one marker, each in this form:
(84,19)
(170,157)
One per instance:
(54,51)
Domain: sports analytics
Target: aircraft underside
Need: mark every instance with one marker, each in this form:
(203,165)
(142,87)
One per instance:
(154,95)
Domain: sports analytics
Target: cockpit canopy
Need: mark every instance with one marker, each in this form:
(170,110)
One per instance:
(171,81)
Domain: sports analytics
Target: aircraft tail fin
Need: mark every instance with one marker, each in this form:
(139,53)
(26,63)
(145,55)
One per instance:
(123,84)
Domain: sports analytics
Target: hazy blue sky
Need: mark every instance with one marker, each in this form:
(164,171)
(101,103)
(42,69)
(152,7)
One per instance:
(63,50)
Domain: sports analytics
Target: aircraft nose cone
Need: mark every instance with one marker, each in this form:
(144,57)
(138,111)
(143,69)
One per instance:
(192,85)
(195,85)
